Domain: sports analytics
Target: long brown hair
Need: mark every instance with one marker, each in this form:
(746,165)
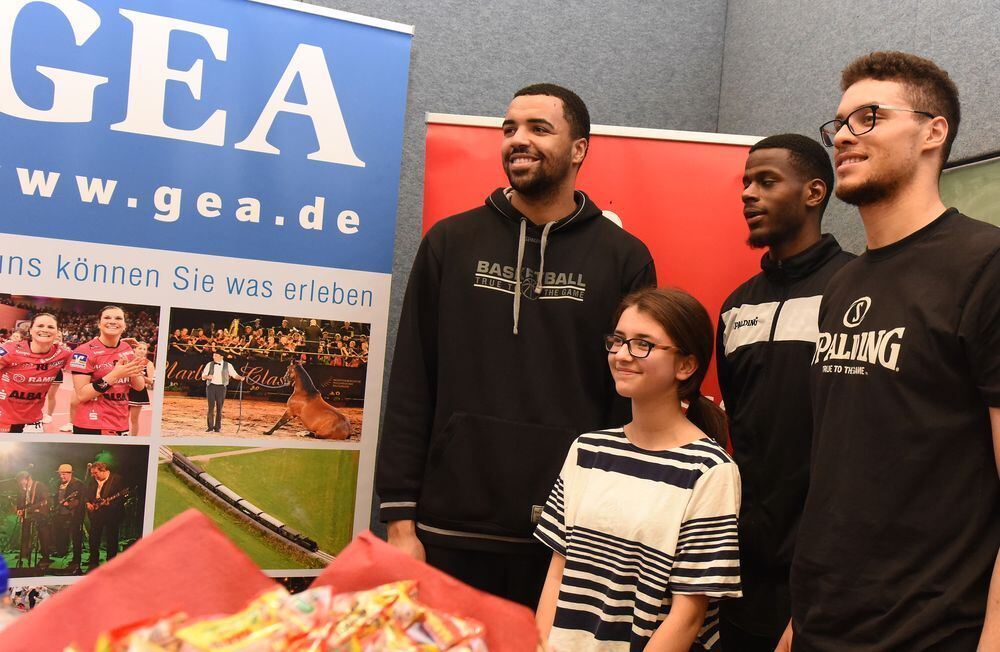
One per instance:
(687,323)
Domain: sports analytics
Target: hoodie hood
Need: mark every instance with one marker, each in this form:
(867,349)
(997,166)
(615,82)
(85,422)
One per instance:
(499,200)
(586,210)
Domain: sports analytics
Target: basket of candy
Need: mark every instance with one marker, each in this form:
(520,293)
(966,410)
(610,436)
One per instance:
(187,588)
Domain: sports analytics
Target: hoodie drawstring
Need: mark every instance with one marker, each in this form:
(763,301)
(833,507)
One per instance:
(520,259)
(517,273)
(541,264)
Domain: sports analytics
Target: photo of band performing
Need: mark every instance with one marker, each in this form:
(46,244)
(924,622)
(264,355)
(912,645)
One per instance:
(284,507)
(246,376)
(69,365)
(67,508)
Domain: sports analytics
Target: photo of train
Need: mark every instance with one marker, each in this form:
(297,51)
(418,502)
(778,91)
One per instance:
(287,508)
(243,504)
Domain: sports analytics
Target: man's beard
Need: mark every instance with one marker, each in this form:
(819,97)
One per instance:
(875,189)
(543,182)
(871,191)
(758,240)
(779,233)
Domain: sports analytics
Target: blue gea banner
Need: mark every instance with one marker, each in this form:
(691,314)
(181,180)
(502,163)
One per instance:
(197,220)
(224,127)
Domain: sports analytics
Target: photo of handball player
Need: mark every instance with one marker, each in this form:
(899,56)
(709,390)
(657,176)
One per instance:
(139,398)
(27,372)
(104,370)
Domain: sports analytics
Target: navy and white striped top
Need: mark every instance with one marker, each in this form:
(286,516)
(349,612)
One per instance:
(637,527)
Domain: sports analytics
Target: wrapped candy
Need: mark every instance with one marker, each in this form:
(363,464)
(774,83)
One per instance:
(387,618)
(258,627)
(151,635)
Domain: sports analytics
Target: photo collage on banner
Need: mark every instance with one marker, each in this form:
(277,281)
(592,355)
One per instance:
(197,210)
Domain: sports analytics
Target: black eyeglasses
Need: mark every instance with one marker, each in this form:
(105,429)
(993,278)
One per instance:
(859,121)
(637,347)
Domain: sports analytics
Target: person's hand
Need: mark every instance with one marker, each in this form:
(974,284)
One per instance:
(125,369)
(403,535)
(785,642)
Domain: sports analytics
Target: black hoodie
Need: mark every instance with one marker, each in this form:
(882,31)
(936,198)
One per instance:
(499,366)
(767,334)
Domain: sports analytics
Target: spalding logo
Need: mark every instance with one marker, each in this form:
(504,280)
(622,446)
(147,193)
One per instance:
(857,311)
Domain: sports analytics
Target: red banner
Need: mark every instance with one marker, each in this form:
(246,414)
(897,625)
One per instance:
(679,192)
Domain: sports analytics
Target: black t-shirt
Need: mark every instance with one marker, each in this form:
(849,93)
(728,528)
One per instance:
(902,522)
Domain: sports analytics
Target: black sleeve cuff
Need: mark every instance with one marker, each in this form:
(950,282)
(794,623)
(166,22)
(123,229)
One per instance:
(397,510)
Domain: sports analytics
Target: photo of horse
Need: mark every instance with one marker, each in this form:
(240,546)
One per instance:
(306,404)
(235,375)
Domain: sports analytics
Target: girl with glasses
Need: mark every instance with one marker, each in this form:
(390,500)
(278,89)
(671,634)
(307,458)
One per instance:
(642,519)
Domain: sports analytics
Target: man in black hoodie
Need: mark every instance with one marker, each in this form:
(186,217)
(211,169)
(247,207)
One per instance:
(499,362)
(767,333)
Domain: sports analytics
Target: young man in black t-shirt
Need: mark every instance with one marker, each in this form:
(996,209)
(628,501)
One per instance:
(767,334)
(897,549)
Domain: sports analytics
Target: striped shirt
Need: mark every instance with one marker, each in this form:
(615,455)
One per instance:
(637,527)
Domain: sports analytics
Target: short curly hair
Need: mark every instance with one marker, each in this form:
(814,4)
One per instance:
(927,85)
(806,155)
(574,109)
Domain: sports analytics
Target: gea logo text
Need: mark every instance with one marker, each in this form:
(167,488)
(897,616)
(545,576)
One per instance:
(73,90)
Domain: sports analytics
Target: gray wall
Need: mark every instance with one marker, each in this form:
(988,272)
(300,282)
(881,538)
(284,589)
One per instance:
(642,64)
(782,63)
(745,67)
(470,58)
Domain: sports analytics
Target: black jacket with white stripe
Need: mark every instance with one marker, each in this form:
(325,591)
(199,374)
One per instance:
(767,334)
(499,365)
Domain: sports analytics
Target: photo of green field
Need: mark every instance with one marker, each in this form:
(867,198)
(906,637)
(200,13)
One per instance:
(311,491)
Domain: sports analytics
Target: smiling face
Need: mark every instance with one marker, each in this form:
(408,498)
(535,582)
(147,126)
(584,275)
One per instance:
(876,165)
(658,374)
(112,322)
(44,330)
(774,198)
(538,151)
(141,349)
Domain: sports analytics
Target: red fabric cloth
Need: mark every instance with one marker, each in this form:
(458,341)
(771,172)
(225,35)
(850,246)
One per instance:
(187,564)
(368,562)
